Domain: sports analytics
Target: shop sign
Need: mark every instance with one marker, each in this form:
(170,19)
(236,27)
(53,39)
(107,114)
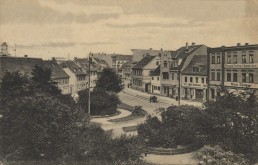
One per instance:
(243,85)
(194,85)
(255,65)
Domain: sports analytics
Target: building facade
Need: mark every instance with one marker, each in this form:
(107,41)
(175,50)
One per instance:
(234,68)
(118,61)
(155,81)
(58,75)
(194,79)
(78,77)
(141,73)
(172,65)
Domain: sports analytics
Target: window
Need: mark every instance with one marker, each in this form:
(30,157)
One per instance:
(152,78)
(218,76)
(157,63)
(243,58)
(203,80)
(158,78)
(191,79)
(172,75)
(195,69)
(243,77)
(229,59)
(218,59)
(185,79)
(196,79)
(251,58)
(165,75)
(228,76)
(165,64)
(212,76)
(235,59)
(213,59)
(251,77)
(234,77)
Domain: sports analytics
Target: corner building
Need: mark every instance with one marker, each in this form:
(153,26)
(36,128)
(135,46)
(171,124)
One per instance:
(234,68)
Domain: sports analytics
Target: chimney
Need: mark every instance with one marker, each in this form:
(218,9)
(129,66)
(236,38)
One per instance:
(246,44)
(238,44)
(193,43)
(186,45)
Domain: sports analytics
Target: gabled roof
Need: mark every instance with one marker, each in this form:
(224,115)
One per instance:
(122,57)
(84,63)
(103,62)
(23,65)
(199,61)
(73,67)
(184,52)
(127,64)
(155,72)
(143,62)
(57,70)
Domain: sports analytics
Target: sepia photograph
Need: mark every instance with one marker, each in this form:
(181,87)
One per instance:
(129,82)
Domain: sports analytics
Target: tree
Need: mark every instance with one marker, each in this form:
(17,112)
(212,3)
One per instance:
(109,81)
(234,123)
(42,79)
(102,102)
(33,126)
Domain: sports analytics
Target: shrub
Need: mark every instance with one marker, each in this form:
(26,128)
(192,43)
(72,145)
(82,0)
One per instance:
(210,155)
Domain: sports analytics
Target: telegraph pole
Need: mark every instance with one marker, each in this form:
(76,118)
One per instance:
(89,84)
(179,88)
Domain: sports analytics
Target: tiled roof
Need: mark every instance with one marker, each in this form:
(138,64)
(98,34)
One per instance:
(73,67)
(122,57)
(183,52)
(100,61)
(199,61)
(57,70)
(84,63)
(143,62)
(155,72)
(127,64)
(23,65)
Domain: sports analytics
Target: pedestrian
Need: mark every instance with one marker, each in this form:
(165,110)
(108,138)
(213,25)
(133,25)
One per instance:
(150,98)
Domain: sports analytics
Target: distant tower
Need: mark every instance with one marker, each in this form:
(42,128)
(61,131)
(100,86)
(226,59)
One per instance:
(4,49)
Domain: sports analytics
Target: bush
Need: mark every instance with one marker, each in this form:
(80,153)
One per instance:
(209,155)
(179,126)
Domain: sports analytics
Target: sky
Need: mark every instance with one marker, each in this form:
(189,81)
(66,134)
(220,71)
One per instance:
(48,28)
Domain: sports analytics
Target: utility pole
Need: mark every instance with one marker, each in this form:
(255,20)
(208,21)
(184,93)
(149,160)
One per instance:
(179,88)
(90,58)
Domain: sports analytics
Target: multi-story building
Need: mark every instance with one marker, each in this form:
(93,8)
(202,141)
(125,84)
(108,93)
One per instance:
(78,77)
(95,69)
(58,75)
(173,63)
(141,73)
(25,65)
(126,69)
(138,54)
(232,68)
(155,80)
(194,78)
(119,60)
